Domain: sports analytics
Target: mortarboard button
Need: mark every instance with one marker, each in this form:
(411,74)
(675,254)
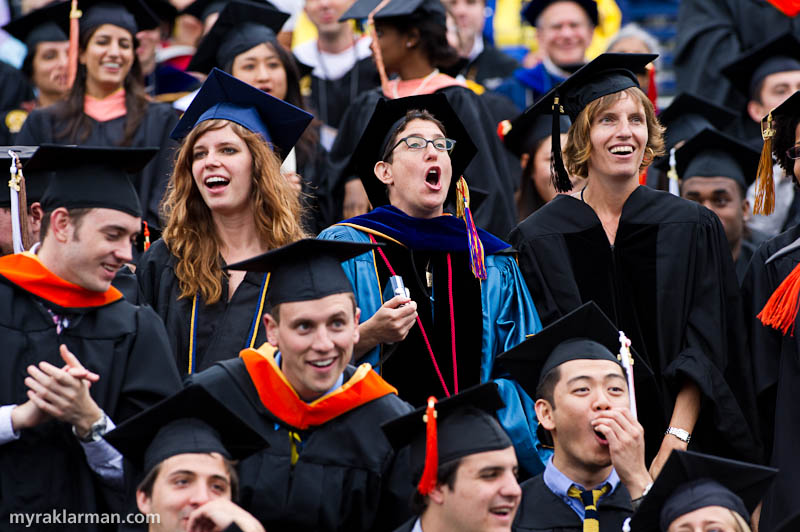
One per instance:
(305,270)
(224,97)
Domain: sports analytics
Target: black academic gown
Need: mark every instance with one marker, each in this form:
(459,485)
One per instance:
(776,373)
(347,478)
(331,97)
(15,87)
(711,33)
(46,468)
(222,329)
(488,171)
(489,69)
(542,510)
(159,120)
(745,254)
(669,283)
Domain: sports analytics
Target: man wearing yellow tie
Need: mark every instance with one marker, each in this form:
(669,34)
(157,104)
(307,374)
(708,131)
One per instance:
(597,474)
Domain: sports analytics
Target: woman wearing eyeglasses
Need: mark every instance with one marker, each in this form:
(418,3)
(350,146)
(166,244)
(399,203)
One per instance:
(466,300)
(769,291)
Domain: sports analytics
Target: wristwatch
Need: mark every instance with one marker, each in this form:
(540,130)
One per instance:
(681,434)
(96,431)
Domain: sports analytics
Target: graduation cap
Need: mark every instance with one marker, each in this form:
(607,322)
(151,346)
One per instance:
(164,10)
(532,11)
(132,15)
(432,9)
(224,97)
(586,333)
(690,481)
(191,421)
(452,428)
(241,26)
(173,81)
(688,114)
(712,153)
(34,181)
(382,125)
(522,134)
(606,74)
(40,26)
(747,71)
(305,270)
(200,9)
(90,177)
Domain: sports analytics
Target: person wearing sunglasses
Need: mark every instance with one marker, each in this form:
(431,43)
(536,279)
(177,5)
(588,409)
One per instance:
(466,301)
(769,292)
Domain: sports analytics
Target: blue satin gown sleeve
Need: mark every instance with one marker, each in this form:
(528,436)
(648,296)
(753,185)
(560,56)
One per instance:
(509,316)
(363,275)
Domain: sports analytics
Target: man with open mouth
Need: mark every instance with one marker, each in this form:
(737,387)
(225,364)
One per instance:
(597,473)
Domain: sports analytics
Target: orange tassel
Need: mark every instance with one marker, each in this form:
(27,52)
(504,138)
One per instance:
(652,88)
(765,187)
(781,308)
(146,233)
(431,471)
(74,31)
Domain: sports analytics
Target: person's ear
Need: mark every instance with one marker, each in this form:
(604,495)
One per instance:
(756,111)
(544,413)
(144,502)
(412,38)
(436,495)
(746,211)
(383,171)
(272,329)
(35,216)
(60,224)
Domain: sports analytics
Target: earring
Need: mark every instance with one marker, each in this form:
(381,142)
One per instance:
(409,44)
(647,160)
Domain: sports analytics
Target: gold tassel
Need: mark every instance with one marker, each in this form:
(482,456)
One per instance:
(765,187)
(462,198)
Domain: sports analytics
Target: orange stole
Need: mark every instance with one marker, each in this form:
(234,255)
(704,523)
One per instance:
(27,271)
(278,396)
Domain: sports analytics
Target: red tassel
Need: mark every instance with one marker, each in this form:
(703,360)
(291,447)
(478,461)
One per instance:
(790,8)
(74,30)
(652,88)
(503,128)
(780,311)
(430,473)
(146,233)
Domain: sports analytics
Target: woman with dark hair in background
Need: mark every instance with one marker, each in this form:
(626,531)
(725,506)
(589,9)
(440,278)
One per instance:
(411,41)
(107,105)
(243,42)
(45,64)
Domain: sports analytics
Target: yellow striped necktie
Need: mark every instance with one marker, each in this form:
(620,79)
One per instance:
(589,498)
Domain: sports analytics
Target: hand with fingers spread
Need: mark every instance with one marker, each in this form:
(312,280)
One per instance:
(625,437)
(218,514)
(64,393)
(389,325)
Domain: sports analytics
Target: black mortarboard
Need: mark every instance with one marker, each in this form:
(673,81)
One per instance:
(305,270)
(40,25)
(200,9)
(465,425)
(606,74)
(785,118)
(163,9)
(747,71)
(397,8)
(688,114)
(712,153)
(90,177)
(132,15)
(382,124)
(171,80)
(224,97)
(241,26)
(523,133)
(585,333)
(191,421)
(35,182)
(532,11)
(690,481)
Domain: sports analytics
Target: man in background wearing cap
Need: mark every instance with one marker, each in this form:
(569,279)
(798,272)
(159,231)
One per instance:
(470,483)
(185,448)
(766,76)
(328,466)
(564,32)
(60,302)
(715,171)
(597,471)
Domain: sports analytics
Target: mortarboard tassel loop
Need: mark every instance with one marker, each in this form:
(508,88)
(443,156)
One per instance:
(430,472)
(74,31)
(765,187)
(558,173)
(476,254)
(146,235)
(780,311)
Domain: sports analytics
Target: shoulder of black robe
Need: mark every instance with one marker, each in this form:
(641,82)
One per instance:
(408,526)
(745,254)
(776,373)
(491,67)
(347,476)
(488,171)
(541,510)
(15,88)
(672,267)
(126,345)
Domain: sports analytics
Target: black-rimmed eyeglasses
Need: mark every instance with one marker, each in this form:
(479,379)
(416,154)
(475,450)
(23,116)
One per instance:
(416,143)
